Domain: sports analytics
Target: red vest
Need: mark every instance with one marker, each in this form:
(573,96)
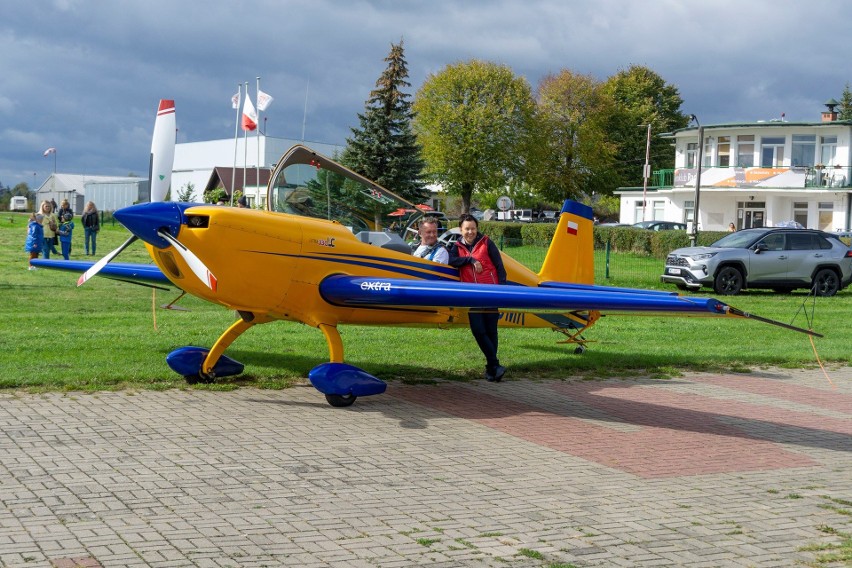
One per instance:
(480,252)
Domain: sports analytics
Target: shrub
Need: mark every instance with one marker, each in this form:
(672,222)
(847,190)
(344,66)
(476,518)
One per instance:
(539,234)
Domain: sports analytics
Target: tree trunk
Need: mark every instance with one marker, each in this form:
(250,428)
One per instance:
(466,192)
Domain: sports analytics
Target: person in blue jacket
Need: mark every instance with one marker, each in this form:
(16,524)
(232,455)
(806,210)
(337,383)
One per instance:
(35,237)
(66,229)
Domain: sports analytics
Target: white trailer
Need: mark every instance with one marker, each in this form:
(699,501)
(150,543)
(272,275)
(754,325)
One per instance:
(18,203)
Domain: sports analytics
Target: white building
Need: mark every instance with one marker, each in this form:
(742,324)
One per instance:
(108,192)
(195,161)
(753,174)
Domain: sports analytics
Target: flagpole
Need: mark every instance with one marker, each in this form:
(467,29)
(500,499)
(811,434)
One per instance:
(245,151)
(305,113)
(257,166)
(236,139)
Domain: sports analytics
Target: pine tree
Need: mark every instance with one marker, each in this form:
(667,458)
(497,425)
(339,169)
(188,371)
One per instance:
(384,148)
(845,111)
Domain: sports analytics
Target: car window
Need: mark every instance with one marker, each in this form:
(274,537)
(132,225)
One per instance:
(775,241)
(740,239)
(824,243)
(800,241)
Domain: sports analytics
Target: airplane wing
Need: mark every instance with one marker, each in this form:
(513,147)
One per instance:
(143,274)
(355,291)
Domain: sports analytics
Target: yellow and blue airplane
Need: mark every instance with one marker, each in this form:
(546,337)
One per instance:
(314,256)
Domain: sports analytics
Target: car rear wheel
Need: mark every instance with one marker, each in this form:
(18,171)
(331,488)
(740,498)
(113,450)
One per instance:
(826,283)
(729,281)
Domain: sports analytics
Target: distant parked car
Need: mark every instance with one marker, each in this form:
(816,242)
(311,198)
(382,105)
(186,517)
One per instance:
(775,258)
(660,226)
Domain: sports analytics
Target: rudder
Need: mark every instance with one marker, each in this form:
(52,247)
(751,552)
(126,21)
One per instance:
(570,257)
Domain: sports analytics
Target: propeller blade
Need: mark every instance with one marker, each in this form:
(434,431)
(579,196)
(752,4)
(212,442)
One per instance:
(162,151)
(96,267)
(198,268)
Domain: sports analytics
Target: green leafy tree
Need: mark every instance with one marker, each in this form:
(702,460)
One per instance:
(384,148)
(642,97)
(845,108)
(186,193)
(473,121)
(570,154)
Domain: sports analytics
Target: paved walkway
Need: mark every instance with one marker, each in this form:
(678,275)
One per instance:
(699,471)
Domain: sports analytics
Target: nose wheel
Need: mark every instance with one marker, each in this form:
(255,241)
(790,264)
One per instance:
(340,400)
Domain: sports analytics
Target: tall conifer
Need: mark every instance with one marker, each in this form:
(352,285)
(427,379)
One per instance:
(384,147)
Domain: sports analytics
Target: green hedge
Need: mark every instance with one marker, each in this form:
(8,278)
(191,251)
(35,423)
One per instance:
(656,244)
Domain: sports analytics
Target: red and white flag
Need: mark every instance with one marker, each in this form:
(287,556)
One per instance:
(263,100)
(249,115)
(235,101)
(572,228)
(49,151)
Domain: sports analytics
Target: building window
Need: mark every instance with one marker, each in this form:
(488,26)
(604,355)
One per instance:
(826,215)
(804,150)
(828,149)
(659,209)
(772,151)
(745,150)
(800,212)
(723,152)
(638,212)
(708,152)
(691,154)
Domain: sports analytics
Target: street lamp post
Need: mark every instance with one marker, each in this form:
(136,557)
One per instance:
(646,171)
(693,239)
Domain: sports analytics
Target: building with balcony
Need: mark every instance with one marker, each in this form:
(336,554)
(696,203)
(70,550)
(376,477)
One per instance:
(753,174)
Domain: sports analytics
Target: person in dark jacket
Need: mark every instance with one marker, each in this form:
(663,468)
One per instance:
(478,260)
(91,225)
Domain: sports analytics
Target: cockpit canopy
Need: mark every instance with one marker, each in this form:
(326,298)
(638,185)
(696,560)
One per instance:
(312,185)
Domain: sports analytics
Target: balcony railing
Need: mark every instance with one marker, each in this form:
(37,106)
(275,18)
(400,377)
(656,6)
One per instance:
(786,177)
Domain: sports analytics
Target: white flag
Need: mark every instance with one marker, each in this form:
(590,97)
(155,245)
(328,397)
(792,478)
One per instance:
(50,151)
(263,100)
(235,100)
(249,115)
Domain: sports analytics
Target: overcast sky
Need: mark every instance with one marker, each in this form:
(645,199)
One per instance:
(85,76)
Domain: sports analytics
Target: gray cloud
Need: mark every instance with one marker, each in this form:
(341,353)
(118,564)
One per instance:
(86,77)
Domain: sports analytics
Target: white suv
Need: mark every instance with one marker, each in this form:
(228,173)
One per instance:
(777,258)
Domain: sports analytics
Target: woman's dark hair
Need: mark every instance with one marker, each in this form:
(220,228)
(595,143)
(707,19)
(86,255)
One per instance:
(468,217)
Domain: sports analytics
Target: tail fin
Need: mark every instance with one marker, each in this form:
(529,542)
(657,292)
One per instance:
(570,257)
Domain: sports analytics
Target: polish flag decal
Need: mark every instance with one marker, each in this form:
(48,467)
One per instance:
(572,228)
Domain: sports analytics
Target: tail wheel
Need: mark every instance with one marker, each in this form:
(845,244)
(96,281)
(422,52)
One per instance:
(340,400)
(729,281)
(826,283)
(200,378)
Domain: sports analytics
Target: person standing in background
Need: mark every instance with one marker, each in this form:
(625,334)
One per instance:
(91,226)
(35,237)
(66,230)
(50,225)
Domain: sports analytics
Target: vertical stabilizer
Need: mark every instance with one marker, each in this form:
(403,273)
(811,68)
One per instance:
(570,257)
(162,151)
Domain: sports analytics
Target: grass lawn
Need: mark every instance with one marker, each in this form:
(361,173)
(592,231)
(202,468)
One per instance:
(103,335)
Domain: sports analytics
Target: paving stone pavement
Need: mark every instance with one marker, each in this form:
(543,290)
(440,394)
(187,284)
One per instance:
(702,470)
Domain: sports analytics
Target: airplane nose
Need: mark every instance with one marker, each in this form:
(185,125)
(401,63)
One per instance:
(145,219)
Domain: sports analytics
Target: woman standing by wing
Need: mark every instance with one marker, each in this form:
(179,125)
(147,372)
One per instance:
(478,260)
